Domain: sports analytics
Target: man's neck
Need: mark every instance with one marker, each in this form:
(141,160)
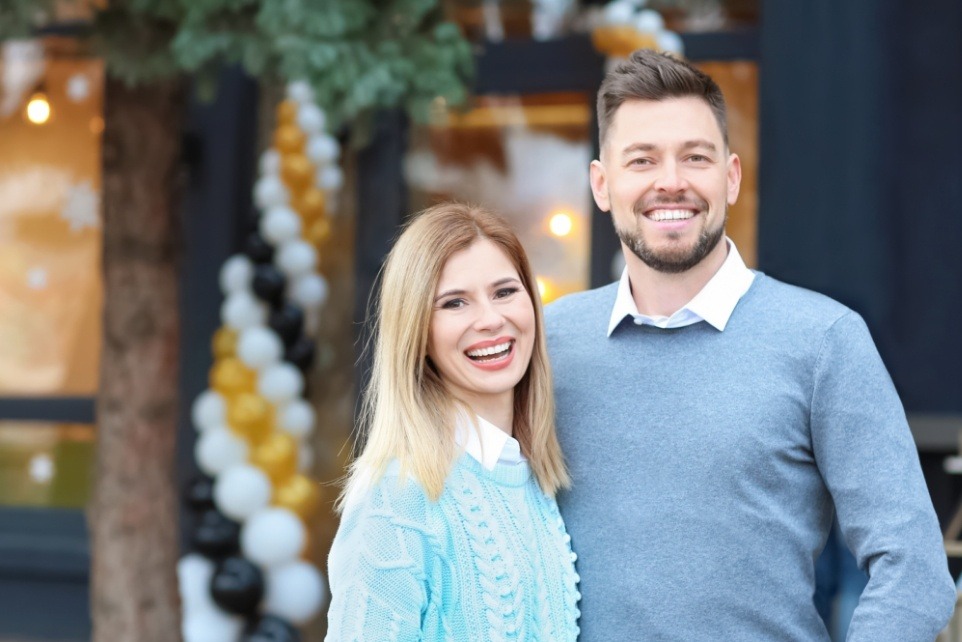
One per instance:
(660,294)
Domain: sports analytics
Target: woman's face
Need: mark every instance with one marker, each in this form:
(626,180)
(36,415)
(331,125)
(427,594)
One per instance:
(482,326)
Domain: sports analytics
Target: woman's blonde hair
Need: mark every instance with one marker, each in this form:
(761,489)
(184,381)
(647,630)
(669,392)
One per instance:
(407,413)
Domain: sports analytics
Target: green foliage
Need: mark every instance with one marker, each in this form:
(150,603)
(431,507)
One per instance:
(359,55)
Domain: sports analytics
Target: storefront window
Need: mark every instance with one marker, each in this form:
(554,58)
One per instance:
(45,464)
(525,157)
(51,119)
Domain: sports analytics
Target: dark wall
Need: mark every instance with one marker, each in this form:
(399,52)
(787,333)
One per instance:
(860,184)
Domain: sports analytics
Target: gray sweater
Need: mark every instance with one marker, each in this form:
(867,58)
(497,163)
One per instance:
(706,464)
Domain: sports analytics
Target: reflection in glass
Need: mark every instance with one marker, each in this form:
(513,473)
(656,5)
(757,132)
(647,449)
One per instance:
(45,464)
(51,119)
(524,157)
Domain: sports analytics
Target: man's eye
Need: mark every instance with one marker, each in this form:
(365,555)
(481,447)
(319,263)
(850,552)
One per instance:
(640,161)
(698,158)
(453,304)
(505,292)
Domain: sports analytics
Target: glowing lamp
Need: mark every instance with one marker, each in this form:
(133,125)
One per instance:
(560,224)
(38,109)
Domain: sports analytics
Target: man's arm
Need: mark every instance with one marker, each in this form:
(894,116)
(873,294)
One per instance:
(868,459)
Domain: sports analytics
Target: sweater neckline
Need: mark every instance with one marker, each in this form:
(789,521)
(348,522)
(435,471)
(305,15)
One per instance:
(502,474)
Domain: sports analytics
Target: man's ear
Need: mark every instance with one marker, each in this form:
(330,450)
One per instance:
(734,178)
(599,185)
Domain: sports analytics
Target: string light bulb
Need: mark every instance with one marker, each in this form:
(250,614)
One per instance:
(38,109)
(561,224)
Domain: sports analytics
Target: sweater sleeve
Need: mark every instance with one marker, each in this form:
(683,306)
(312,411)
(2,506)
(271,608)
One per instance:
(379,567)
(868,459)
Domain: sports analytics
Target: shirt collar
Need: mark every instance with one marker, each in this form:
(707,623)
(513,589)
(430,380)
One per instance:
(713,304)
(487,443)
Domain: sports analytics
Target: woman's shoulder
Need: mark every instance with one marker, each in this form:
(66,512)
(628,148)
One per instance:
(392,492)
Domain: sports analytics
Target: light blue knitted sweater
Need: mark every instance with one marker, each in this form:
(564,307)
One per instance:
(705,465)
(490,560)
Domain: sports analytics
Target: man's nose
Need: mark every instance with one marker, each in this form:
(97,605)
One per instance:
(671,178)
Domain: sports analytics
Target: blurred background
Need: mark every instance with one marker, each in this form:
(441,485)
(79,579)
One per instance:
(846,117)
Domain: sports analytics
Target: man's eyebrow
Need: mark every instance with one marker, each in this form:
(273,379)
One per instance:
(637,147)
(687,145)
(700,142)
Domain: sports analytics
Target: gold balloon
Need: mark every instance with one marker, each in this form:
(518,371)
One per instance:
(250,415)
(318,232)
(276,455)
(298,494)
(224,343)
(289,139)
(229,377)
(287,112)
(297,171)
(309,204)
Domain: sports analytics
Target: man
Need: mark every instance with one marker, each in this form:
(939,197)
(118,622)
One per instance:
(712,416)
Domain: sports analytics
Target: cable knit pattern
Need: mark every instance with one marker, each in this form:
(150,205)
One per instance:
(490,560)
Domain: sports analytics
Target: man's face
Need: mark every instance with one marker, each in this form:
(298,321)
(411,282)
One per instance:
(667,178)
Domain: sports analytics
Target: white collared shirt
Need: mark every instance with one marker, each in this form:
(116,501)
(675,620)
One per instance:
(488,444)
(713,304)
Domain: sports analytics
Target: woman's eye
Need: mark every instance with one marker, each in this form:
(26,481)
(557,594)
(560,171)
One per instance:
(505,292)
(453,304)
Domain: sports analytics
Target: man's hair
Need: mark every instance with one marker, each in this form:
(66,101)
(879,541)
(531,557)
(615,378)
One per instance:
(649,75)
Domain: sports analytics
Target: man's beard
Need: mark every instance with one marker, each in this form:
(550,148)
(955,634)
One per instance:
(674,260)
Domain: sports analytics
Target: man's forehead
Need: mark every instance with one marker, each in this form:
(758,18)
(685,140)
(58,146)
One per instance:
(657,122)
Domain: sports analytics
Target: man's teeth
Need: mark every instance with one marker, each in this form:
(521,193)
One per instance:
(486,352)
(671,215)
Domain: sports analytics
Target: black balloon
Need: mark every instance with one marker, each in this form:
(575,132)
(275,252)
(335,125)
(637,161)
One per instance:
(237,586)
(271,628)
(215,535)
(199,493)
(268,284)
(287,322)
(257,249)
(301,354)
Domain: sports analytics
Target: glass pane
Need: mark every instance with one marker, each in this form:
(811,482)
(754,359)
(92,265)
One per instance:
(739,82)
(707,15)
(51,119)
(525,157)
(45,464)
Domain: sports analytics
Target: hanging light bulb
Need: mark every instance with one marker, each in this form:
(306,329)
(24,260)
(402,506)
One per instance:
(38,109)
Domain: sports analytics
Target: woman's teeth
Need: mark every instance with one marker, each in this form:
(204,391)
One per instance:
(490,353)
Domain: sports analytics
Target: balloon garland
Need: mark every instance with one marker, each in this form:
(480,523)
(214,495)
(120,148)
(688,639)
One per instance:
(245,579)
(626,26)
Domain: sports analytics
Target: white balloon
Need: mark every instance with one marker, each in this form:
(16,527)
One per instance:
(219,449)
(294,591)
(193,578)
(330,178)
(236,274)
(280,383)
(310,118)
(322,149)
(270,162)
(671,42)
(649,21)
(259,347)
(272,537)
(310,290)
(618,12)
(296,257)
(241,490)
(212,626)
(305,458)
(270,191)
(297,419)
(280,224)
(242,310)
(300,91)
(208,410)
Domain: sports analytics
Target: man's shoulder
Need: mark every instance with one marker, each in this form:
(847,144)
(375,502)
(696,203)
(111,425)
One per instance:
(783,302)
(579,306)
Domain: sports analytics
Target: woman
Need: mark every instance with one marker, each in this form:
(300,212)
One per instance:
(450,529)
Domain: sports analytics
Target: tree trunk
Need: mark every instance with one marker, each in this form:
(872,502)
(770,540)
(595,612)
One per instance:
(133,515)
